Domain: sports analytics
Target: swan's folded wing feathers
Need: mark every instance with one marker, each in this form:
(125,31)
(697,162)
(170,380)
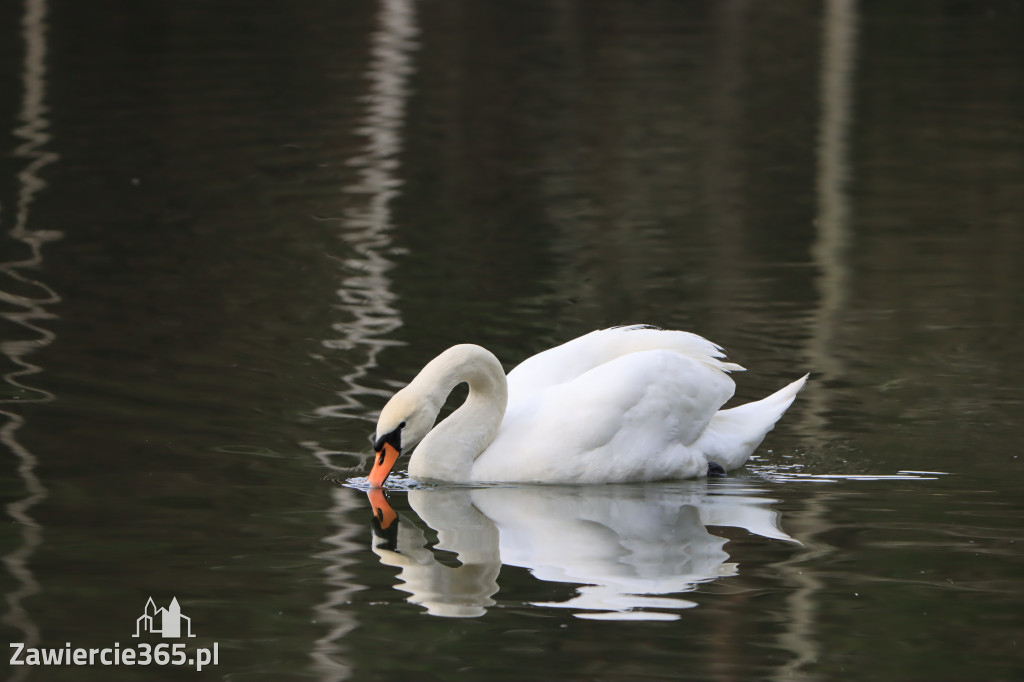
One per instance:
(654,392)
(625,418)
(574,358)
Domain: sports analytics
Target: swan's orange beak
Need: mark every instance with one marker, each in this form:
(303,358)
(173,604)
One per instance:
(382,465)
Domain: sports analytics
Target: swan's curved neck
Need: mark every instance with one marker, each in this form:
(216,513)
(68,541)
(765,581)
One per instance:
(448,451)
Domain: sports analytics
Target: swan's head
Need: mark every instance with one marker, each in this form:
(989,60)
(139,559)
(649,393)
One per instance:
(403,423)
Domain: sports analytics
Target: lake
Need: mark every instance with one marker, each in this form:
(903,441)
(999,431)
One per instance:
(230,231)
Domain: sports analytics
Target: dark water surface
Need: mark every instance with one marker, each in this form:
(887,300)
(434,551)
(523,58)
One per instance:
(229,231)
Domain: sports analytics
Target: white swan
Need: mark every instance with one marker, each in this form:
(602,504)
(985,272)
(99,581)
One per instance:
(616,405)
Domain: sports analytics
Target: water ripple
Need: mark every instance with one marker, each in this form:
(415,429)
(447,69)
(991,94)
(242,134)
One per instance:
(31,310)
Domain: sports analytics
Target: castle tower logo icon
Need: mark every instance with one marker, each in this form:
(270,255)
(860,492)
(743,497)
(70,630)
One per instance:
(165,621)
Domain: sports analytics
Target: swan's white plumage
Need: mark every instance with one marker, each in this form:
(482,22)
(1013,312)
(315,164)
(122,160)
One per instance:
(615,405)
(571,359)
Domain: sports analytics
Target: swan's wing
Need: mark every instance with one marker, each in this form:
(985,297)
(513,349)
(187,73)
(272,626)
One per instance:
(574,358)
(627,419)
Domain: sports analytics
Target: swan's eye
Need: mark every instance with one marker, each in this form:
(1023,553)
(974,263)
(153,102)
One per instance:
(394,438)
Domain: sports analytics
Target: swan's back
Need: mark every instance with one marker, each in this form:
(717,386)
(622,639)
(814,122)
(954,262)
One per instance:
(621,404)
(565,363)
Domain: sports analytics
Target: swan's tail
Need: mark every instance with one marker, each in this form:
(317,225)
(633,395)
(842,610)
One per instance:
(733,434)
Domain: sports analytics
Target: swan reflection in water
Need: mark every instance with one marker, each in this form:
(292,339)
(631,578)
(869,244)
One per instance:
(625,546)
